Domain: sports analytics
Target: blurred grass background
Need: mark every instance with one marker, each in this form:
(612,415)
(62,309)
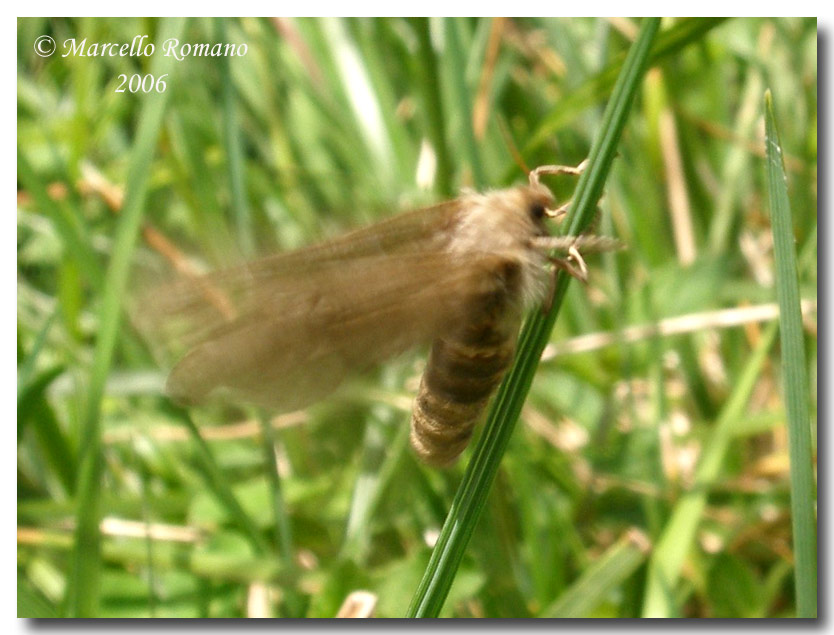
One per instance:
(650,472)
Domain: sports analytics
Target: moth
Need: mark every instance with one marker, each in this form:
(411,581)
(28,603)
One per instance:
(285,331)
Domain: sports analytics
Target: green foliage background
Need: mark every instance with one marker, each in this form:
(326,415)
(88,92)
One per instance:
(319,127)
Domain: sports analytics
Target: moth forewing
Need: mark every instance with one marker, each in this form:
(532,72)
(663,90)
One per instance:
(300,322)
(297,343)
(285,331)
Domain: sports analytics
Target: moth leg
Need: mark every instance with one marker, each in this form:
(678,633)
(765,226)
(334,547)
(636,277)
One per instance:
(588,243)
(573,264)
(575,256)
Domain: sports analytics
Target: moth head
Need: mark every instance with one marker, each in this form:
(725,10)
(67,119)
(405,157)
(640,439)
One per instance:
(524,211)
(503,219)
(537,203)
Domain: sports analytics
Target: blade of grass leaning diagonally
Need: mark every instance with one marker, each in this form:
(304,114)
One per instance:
(794,375)
(220,486)
(71,230)
(480,473)
(685,32)
(614,566)
(678,534)
(82,585)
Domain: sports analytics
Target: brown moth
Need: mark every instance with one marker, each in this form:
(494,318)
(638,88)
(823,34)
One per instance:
(283,332)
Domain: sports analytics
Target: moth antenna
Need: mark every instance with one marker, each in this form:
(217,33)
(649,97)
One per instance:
(557,169)
(559,212)
(511,146)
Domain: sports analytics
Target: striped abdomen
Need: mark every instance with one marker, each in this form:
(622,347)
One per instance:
(463,370)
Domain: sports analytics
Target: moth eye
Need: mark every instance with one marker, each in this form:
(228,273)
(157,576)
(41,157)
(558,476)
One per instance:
(537,211)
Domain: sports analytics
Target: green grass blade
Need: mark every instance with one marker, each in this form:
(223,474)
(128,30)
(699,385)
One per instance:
(679,533)
(463,101)
(613,567)
(83,582)
(471,496)
(373,45)
(282,539)
(377,466)
(429,78)
(669,42)
(26,366)
(35,414)
(30,603)
(283,544)
(797,393)
(220,486)
(68,225)
(234,151)
(737,163)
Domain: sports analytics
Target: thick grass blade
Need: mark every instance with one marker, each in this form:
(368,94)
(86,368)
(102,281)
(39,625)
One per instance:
(83,581)
(794,376)
(472,493)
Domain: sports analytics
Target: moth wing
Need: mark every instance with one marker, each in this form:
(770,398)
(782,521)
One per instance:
(186,311)
(284,331)
(299,342)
